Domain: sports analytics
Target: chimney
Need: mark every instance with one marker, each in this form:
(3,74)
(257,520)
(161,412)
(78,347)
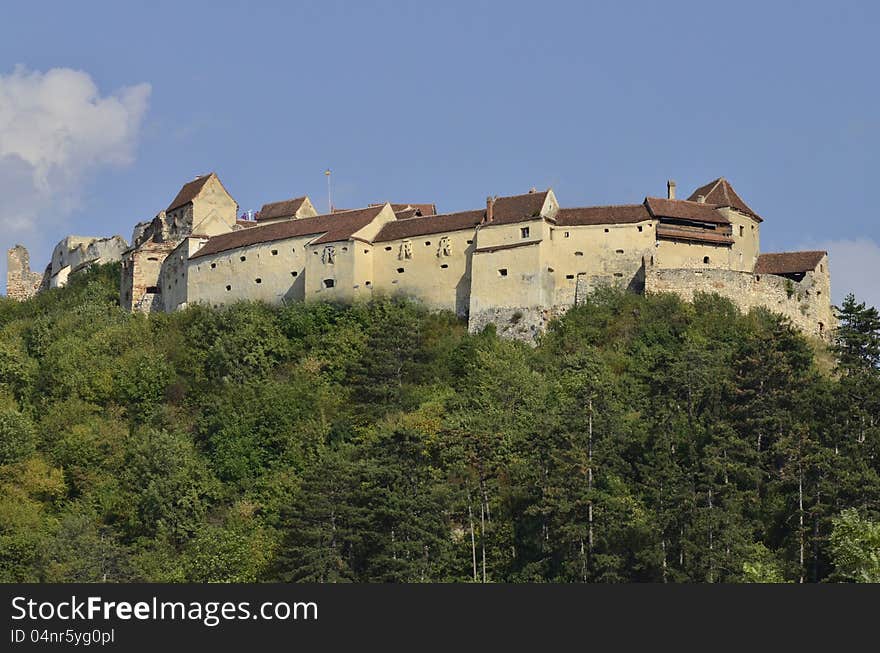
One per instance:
(490,208)
(670,189)
(701,199)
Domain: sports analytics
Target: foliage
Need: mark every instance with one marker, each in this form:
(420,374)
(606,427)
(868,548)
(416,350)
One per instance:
(642,439)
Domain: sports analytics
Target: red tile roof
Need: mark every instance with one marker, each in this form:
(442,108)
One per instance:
(189,191)
(684,210)
(668,232)
(788,262)
(282,209)
(593,215)
(517,208)
(432,224)
(334,227)
(720,193)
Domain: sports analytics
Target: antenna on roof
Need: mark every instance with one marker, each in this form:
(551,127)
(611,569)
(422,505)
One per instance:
(329,196)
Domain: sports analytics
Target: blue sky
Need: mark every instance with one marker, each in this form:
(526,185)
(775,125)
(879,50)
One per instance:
(444,102)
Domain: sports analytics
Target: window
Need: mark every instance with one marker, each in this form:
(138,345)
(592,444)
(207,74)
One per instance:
(606,231)
(274,252)
(502,272)
(578,253)
(366,251)
(524,232)
(228,288)
(368,283)
(428,243)
(569,276)
(154,290)
(444,266)
(706,259)
(213,265)
(294,273)
(399,270)
(388,249)
(640,229)
(329,283)
(742,230)
(149,258)
(243,258)
(470,242)
(567,234)
(258,280)
(618,251)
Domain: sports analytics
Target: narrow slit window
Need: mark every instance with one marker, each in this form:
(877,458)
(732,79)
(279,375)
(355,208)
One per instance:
(524,232)
(578,253)
(569,276)
(640,228)
(444,266)
(619,251)
(706,259)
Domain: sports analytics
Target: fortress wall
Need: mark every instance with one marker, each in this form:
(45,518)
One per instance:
(342,276)
(585,256)
(430,276)
(746,247)
(21,283)
(806,303)
(140,288)
(279,265)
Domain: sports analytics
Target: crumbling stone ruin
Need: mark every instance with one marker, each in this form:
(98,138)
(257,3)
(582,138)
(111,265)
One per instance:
(516,263)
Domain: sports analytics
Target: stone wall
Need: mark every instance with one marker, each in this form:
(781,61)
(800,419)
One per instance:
(21,283)
(807,303)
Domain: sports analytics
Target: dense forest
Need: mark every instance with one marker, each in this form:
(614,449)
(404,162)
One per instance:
(643,439)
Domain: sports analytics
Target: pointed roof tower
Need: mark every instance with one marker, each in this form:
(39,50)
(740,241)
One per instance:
(720,193)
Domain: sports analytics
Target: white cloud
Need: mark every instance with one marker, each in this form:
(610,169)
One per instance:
(55,130)
(855,268)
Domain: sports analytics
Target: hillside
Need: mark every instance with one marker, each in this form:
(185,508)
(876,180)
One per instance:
(643,439)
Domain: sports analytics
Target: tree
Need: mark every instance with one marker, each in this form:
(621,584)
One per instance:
(855,547)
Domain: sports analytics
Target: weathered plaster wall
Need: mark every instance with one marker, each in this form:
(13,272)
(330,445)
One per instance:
(806,303)
(139,284)
(434,269)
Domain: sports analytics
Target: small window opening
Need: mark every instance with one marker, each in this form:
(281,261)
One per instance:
(274,252)
(345,249)
(567,234)
(618,251)
(294,273)
(153,289)
(213,265)
(705,259)
(569,276)
(149,258)
(618,274)
(228,288)
(502,272)
(444,266)
(366,251)
(640,228)
(606,231)
(243,258)
(427,242)
(742,230)
(368,283)
(524,232)
(329,283)
(258,280)
(399,270)
(388,249)
(470,242)
(578,253)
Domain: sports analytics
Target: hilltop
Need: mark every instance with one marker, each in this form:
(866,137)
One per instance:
(644,438)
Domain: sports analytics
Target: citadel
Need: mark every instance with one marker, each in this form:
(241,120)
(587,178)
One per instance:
(516,262)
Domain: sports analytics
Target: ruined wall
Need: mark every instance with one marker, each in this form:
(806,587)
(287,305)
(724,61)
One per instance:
(139,284)
(806,303)
(21,282)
